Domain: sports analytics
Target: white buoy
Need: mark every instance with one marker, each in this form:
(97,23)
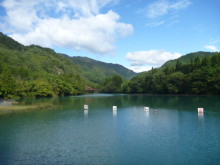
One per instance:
(86,107)
(200,110)
(146,108)
(114,108)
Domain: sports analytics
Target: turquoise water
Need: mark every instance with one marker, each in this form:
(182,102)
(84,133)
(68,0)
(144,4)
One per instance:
(174,135)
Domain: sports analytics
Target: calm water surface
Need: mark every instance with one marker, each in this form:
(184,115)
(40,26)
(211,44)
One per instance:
(175,135)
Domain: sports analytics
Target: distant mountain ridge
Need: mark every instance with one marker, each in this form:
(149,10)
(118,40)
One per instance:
(90,69)
(186,59)
(193,74)
(8,42)
(95,70)
(34,71)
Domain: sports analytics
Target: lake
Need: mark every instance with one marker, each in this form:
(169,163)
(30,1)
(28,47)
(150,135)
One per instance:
(174,135)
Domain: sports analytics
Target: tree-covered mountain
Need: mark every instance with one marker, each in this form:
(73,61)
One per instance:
(186,59)
(196,73)
(96,71)
(34,71)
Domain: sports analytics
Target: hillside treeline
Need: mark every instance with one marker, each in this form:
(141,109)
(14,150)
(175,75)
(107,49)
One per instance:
(37,72)
(200,76)
(34,71)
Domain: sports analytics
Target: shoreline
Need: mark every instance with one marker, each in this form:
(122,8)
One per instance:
(20,108)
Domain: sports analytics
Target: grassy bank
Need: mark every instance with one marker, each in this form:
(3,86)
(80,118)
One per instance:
(15,108)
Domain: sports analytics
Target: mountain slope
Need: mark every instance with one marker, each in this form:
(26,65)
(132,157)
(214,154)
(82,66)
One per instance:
(186,59)
(34,71)
(9,43)
(96,71)
(196,73)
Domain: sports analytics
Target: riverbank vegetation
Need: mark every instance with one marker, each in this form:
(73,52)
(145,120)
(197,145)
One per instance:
(18,108)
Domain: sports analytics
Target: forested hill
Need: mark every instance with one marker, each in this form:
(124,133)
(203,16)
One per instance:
(186,59)
(34,71)
(196,73)
(96,71)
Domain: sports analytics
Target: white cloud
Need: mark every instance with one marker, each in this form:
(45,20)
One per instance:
(147,59)
(214,41)
(151,57)
(180,4)
(74,24)
(157,8)
(139,69)
(162,7)
(212,48)
(155,24)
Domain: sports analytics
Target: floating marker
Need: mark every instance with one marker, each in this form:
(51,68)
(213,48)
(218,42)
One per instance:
(86,107)
(114,108)
(200,110)
(146,108)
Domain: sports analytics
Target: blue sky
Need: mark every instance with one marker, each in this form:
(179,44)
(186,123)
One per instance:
(138,34)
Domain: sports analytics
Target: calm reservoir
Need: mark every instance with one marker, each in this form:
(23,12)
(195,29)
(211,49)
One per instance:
(68,134)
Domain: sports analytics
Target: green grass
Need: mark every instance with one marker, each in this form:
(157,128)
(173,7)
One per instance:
(14,108)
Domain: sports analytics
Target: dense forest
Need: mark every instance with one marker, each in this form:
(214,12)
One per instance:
(34,71)
(97,71)
(200,75)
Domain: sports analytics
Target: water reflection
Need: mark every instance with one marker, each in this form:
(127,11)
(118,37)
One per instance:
(86,112)
(200,116)
(114,113)
(146,113)
(157,136)
(170,102)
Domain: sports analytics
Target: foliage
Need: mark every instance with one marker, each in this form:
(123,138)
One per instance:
(112,84)
(34,71)
(200,76)
(96,71)
(186,59)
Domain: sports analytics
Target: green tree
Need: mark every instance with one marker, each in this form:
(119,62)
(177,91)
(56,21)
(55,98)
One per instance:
(112,84)
(7,85)
(42,88)
(177,83)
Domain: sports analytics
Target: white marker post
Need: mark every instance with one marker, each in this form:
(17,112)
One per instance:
(200,110)
(114,108)
(86,107)
(146,108)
